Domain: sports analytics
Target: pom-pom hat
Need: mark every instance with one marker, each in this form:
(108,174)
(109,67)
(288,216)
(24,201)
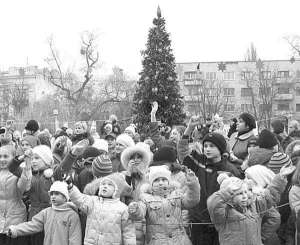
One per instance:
(32,125)
(102,166)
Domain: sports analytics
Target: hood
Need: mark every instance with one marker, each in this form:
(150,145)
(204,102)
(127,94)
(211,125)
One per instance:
(260,156)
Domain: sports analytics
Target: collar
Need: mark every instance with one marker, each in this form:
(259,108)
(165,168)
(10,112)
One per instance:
(245,136)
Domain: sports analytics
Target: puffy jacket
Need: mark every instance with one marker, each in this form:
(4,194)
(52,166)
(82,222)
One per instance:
(61,225)
(164,220)
(242,228)
(107,220)
(12,208)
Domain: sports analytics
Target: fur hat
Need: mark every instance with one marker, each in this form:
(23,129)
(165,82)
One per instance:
(260,174)
(32,125)
(131,129)
(101,145)
(140,148)
(248,119)
(125,139)
(159,172)
(278,160)
(218,140)
(44,153)
(278,126)
(102,166)
(60,187)
(163,155)
(121,186)
(266,139)
(33,141)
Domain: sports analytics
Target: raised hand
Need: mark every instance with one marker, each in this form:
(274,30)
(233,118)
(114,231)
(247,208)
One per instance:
(132,207)
(80,147)
(287,170)
(154,107)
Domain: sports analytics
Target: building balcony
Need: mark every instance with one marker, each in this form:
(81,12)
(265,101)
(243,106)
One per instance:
(284,97)
(192,82)
(285,80)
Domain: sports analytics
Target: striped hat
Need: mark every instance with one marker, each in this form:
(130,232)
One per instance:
(102,166)
(278,160)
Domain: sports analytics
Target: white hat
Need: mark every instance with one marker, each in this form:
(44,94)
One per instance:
(140,148)
(101,145)
(234,182)
(125,140)
(60,187)
(260,174)
(130,129)
(159,172)
(44,153)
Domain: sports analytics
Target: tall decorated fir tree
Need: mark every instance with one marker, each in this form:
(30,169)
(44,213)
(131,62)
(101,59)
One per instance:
(158,79)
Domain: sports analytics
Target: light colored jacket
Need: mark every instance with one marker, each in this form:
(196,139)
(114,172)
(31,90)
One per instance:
(242,228)
(164,219)
(107,220)
(12,208)
(61,225)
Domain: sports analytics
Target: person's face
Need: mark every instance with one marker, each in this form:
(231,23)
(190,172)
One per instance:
(210,150)
(120,147)
(241,196)
(79,129)
(37,163)
(292,128)
(107,188)
(25,145)
(57,198)
(111,142)
(296,148)
(5,157)
(175,135)
(241,125)
(130,133)
(160,184)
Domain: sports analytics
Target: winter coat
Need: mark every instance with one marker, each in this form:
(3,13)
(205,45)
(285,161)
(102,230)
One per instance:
(239,145)
(242,228)
(164,221)
(12,208)
(107,220)
(293,228)
(270,224)
(61,225)
(116,163)
(260,156)
(207,174)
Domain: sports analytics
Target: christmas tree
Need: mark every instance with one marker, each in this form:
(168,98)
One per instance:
(158,79)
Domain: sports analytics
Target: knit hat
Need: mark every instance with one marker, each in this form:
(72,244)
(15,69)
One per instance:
(248,119)
(266,139)
(260,174)
(163,155)
(32,125)
(44,153)
(60,187)
(101,145)
(278,126)
(125,139)
(159,172)
(140,148)
(89,154)
(119,182)
(278,160)
(218,140)
(32,140)
(102,166)
(233,182)
(131,129)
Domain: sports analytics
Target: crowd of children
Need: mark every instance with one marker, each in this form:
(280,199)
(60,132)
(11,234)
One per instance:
(193,185)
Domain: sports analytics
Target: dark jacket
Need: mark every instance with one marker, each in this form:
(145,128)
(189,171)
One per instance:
(260,156)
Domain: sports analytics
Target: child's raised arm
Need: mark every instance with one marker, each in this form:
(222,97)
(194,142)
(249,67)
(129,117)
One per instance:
(192,197)
(24,182)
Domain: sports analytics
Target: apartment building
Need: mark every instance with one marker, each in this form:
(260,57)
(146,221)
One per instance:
(238,80)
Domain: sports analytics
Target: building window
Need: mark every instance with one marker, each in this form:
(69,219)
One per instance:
(247,75)
(266,74)
(283,74)
(193,90)
(246,107)
(190,75)
(229,75)
(211,76)
(228,91)
(264,91)
(283,90)
(283,107)
(297,107)
(229,107)
(297,91)
(245,92)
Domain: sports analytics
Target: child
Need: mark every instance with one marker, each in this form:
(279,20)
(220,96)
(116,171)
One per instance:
(107,217)
(236,216)
(162,207)
(12,208)
(60,222)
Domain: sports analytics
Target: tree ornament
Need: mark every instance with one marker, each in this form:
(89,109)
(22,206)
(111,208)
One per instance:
(154,90)
(140,102)
(166,97)
(173,106)
(170,78)
(158,12)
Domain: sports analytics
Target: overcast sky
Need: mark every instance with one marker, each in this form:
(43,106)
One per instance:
(210,30)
